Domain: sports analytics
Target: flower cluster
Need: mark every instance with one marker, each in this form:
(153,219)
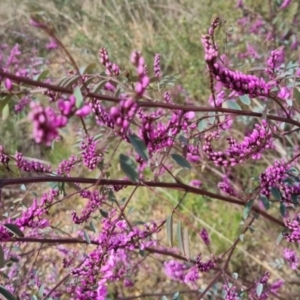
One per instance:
(110,261)
(111,68)
(251,147)
(94,202)
(294,229)
(226,187)
(22,104)
(181,272)
(4,159)
(231,293)
(33,217)
(122,115)
(204,266)
(275,59)
(277,176)
(89,154)
(204,236)
(66,165)
(30,166)
(157,65)
(267,290)
(234,80)
(139,62)
(45,123)
(291,257)
(67,108)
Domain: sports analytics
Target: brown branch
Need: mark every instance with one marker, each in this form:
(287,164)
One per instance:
(185,108)
(177,186)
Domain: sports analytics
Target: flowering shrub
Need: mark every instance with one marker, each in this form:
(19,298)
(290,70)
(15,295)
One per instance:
(133,119)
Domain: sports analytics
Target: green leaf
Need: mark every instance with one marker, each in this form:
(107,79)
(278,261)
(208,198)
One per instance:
(176,296)
(180,238)
(247,209)
(111,196)
(233,105)
(14,229)
(2,259)
(259,289)
(70,81)
(241,237)
(86,237)
(7,294)
(42,75)
(186,243)
(5,112)
(92,226)
(78,96)
(129,168)
(164,298)
(279,238)
(276,193)
(103,213)
(41,290)
(202,125)
(88,69)
(245,99)
(139,146)
(170,229)
(282,209)
(181,161)
(99,86)
(265,201)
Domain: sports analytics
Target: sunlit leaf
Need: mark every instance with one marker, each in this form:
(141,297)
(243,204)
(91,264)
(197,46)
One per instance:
(259,289)
(170,229)
(245,99)
(88,69)
(78,96)
(186,243)
(202,125)
(180,238)
(233,105)
(5,112)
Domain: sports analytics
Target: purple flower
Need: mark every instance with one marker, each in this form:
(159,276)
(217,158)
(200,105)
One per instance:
(204,236)
(285,4)
(291,257)
(157,65)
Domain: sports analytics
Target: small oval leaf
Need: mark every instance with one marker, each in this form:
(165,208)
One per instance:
(139,146)
(128,167)
(247,209)
(2,259)
(14,229)
(78,96)
(259,289)
(181,161)
(233,105)
(7,294)
(170,229)
(245,99)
